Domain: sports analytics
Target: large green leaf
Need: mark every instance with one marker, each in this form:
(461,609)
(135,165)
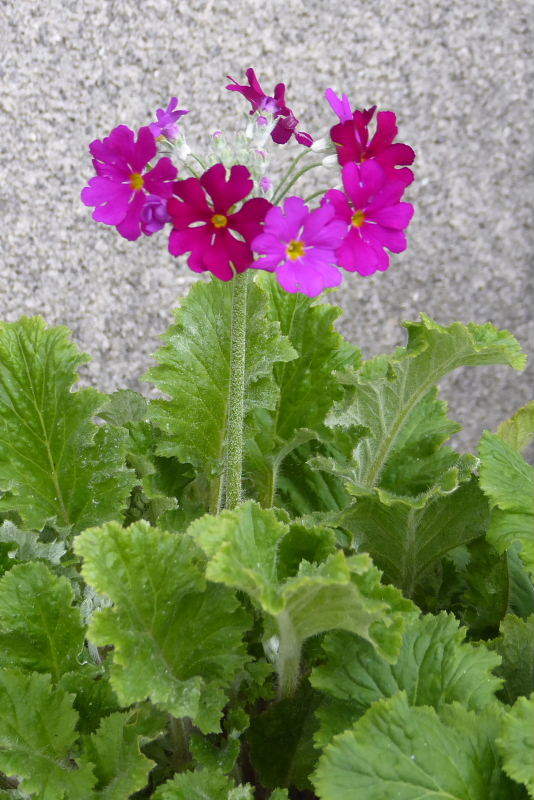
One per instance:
(93,696)
(194,371)
(516,647)
(516,742)
(39,627)
(119,766)
(411,753)
(393,401)
(177,639)
(518,431)
(307,384)
(406,537)
(37,734)
(243,548)
(435,667)
(56,465)
(203,785)
(508,481)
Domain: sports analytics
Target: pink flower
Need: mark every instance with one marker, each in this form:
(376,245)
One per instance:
(154,215)
(299,245)
(210,200)
(371,207)
(351,138)
(276,105)
(167,120)
(339,105)
(123,182)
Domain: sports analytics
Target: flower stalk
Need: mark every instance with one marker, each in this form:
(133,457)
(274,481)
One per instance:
(236,398)
(288,661)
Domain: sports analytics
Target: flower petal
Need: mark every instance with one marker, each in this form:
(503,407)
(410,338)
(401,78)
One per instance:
(248,220)
(160,179)
(397,216)
(225,193)
(144,149)
(130,227)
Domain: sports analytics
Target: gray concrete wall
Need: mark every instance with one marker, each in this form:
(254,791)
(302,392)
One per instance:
(455,71)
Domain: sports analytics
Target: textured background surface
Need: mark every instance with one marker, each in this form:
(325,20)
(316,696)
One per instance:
(457,73)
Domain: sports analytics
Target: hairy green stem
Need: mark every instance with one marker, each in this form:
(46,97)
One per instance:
(283,193)
(179,730)
(236,398)
(288,662)
(285,178)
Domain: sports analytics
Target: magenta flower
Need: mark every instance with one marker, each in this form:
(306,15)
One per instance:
(351,138)
(123,181)
(339,105)
(300,246)
(154,215)
(371,207)
(167,120)
(276,105)
(203,216)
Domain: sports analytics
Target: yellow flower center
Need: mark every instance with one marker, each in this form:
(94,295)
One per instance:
(219,220)
(295,249)
(137,181)
(358,219)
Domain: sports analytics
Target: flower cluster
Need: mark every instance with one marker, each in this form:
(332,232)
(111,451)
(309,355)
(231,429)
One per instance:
(228,215)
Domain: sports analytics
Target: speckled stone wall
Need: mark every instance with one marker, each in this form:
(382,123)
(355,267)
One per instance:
(456,72)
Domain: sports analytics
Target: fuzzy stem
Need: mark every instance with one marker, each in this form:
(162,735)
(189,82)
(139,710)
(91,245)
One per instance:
(281,194)
(288,663)
(236,399)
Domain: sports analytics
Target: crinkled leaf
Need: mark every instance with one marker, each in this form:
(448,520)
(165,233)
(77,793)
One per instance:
(411,753)
(26,545)
(307,384)
(516,742)
(508,481)
(119,766)
(406,537)
(194,371)
(243,548)
(281,741)
(176,639)
(518,431)
(56,465)
(39,627)
(93,696)
(516,647)
(37,734)
(203,785)
(394,403)
(435,667)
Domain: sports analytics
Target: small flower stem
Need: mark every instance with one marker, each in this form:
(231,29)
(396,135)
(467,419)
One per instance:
(292,167)
(314,195)
(236,398)
(288,663)
(281,194)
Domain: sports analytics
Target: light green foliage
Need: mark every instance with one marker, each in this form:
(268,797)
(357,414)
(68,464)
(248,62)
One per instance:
(397,750)
(435,667)
(39,627)
(394,403)
(26,545)
(194,371)
(119,767)
(516,742)
(508,481)
(55,465)
(37,734)
(243,551)
(515,645)
(307,384)
(177,639)
(406,537)
(203,785)
(518,431)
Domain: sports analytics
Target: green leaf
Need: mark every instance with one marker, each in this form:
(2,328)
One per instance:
(307,384)
(406,537)
(39,627)
(435,667)
(516,647)
(281,741)
(397,750)
(120,767)
(194,371)
(394,403)
(243,551)
(203,785)
(508,481)
(93,696)
(26,545)
(177,639)
(56,465)
(37,734)
(516,742)
(518,431)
